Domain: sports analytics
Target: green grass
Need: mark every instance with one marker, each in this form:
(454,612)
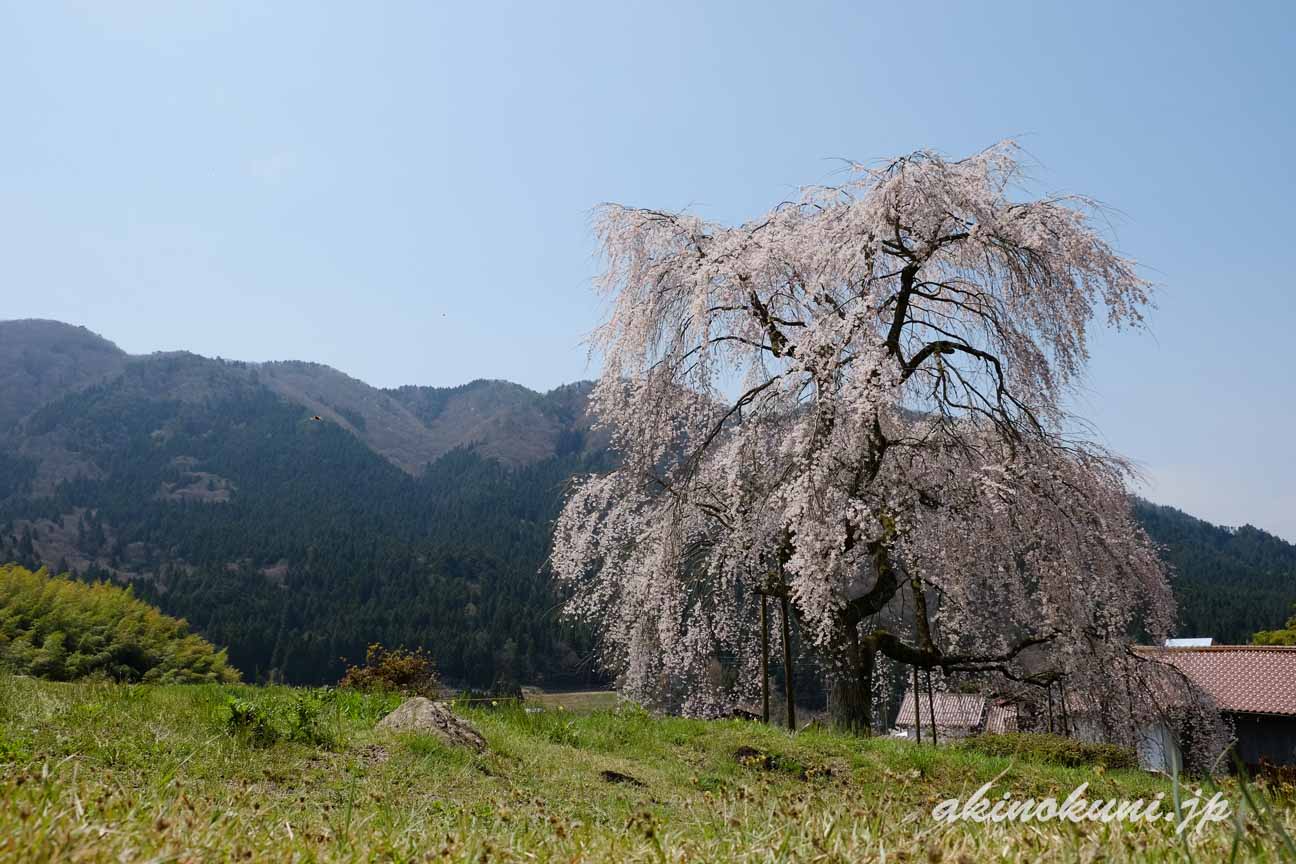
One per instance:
(104,772)
(580,701)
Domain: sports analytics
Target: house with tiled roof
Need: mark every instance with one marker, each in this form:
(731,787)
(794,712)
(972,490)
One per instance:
(957,715)
(1254,687)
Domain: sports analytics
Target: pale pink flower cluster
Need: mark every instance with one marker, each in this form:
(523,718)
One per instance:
(868,378)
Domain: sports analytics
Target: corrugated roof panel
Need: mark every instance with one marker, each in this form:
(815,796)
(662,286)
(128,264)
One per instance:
(955,710)
(1001,719)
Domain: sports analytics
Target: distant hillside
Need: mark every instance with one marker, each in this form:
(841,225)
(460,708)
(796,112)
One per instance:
(41,360)
(416,515)
(1230,582)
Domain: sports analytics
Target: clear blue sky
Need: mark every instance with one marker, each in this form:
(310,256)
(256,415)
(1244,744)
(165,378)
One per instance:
(404,194)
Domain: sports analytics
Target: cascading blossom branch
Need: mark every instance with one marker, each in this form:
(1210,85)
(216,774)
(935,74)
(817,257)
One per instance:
(856,401)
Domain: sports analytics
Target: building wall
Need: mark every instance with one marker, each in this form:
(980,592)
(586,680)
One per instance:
(1265,737)
(1158,750)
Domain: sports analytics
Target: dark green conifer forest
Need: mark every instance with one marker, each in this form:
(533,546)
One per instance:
(264,505)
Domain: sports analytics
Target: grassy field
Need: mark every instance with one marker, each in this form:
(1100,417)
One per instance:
(102,772)
(579,701)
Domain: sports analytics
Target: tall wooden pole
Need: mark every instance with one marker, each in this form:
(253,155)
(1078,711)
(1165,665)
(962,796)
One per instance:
(787,665)
(917,703)
(764,657)
(931,707)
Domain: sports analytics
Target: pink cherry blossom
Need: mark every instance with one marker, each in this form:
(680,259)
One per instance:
(859,399)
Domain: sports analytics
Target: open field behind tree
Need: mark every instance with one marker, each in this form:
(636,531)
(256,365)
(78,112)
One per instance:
(579,701)
(100,772)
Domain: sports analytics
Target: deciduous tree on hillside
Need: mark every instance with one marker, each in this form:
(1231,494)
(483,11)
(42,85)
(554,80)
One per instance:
(1282,636)
(857,400)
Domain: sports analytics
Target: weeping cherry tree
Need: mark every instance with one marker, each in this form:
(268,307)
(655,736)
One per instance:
(857,400)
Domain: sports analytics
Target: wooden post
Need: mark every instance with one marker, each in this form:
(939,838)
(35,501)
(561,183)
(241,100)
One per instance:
(917,707)
(870,675)
(1050,692)
(787,665)
(931,707)
(1066,718)
(764,657)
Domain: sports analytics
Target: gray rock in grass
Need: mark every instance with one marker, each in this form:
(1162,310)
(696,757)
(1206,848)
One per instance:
(424,715)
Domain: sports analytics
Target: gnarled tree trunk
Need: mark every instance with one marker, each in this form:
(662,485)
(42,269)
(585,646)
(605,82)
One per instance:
(850,698)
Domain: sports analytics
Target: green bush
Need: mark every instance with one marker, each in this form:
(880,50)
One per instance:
(250,722)
(307,723)
(395,670)
(57,628)
(1284,636)
(1053,749)
(310,717)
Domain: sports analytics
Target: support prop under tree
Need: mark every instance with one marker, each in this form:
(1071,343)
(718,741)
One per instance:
(764,658)
(917,706)
(787,665)
(931,707)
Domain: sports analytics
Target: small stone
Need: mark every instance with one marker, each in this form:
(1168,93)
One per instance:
(424,715)
(617,777)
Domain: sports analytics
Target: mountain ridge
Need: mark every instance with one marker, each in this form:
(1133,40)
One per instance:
(295,514)
(410,426)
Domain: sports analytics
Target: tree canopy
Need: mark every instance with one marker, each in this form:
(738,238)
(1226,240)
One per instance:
(1283,636)
(55,627)
(858,401)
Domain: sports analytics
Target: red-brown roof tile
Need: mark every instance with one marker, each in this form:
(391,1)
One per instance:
(1251,679)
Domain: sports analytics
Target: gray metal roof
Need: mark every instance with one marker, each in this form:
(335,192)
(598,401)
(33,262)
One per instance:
(953,710)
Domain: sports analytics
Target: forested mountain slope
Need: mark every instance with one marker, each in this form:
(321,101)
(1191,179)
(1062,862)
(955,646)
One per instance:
(296,541)
(1230,582)
(295,514)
